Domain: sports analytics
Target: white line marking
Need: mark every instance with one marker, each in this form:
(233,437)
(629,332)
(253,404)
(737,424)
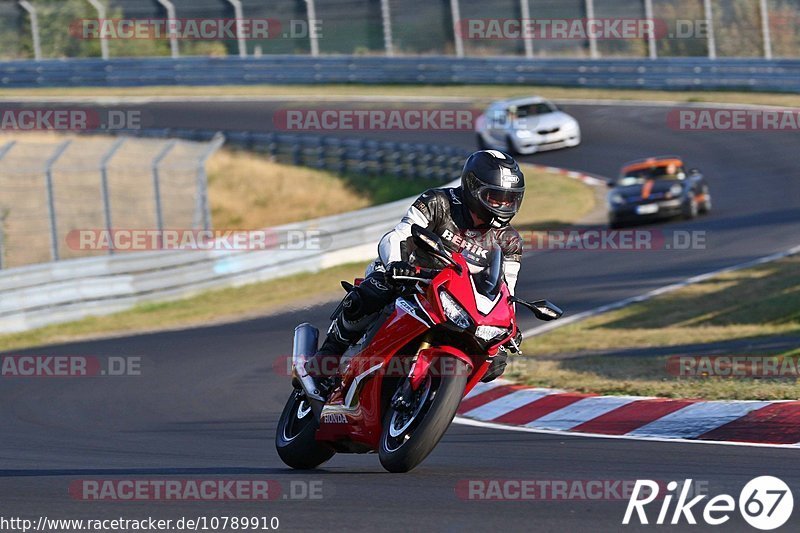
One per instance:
(491,425)
(696,419)
(581,411)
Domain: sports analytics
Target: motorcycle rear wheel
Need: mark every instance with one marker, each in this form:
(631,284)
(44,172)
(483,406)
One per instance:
(294,437)
(408,438)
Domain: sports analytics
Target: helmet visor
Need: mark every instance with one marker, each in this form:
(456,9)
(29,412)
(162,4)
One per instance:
(499,201)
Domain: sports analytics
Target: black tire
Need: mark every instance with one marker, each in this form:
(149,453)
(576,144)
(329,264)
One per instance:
(615,224)
(690,208)
(294,437)
(428,424)
(705,207)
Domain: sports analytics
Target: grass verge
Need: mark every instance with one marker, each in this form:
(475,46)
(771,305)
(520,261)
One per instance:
(752,305)
(575,199)
(479,92)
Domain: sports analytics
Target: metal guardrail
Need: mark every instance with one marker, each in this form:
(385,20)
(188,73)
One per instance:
(666,74)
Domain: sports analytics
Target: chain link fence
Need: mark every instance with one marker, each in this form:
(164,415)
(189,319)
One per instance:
(51,187)
(684,28)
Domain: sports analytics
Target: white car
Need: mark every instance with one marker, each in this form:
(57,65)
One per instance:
(526,126)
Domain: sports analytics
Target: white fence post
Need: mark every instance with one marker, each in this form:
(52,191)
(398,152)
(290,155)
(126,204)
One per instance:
(525,12)
(3,151)
(101,14)
(593,52)
(202,207)
(311,13)
(106,159)
(766,32)
(157,182)
(37,43)
(239,14)
(652,49)
(455,14)
(51,202)
(172,20)
(712,41)
(386,16)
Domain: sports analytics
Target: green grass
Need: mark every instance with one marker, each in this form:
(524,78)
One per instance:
(260,299)
(478,92)
(752,304)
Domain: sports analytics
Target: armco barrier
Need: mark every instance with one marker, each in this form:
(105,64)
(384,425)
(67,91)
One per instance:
(665,74)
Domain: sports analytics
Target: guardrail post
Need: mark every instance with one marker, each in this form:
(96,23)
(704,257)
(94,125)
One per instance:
(525,13)
(171,21)
(239,14)
(766,32)
(712,41)
(593,52)
(386,15)
(202,207)
(455,14)
(101,14)
(37,43)
(652,49)
(104,161)
(3,151)
(311,13)
(157,182)
(51,204)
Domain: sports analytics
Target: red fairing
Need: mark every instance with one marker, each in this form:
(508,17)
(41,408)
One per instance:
(353,415)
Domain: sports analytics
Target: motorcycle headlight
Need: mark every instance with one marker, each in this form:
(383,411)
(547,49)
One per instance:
(675,190)
(616,199)
(489,333)
(454,312)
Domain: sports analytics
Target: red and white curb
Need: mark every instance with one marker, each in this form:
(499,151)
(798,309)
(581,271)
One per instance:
(588,179)
(502,404)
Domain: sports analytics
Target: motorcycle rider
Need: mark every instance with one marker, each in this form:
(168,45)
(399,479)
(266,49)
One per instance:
(469,218)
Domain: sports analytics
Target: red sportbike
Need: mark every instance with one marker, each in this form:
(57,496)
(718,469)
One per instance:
(399,387)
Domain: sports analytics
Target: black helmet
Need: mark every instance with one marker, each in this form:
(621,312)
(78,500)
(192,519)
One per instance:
(493,186)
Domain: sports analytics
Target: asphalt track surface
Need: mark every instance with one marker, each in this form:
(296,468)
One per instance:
(208,399)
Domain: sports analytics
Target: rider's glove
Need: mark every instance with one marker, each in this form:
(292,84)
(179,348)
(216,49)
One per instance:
(398,268)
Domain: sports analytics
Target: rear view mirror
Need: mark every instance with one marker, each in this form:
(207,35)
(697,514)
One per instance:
(542,309)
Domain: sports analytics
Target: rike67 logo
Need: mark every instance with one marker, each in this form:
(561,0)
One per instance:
(765,503)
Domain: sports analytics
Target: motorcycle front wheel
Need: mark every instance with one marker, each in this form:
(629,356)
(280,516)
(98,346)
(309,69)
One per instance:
(409,436)
(294,437)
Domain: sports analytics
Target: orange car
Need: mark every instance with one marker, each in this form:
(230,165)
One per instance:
(656,188)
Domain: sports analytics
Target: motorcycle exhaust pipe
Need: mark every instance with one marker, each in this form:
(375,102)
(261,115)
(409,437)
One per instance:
(306,339)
